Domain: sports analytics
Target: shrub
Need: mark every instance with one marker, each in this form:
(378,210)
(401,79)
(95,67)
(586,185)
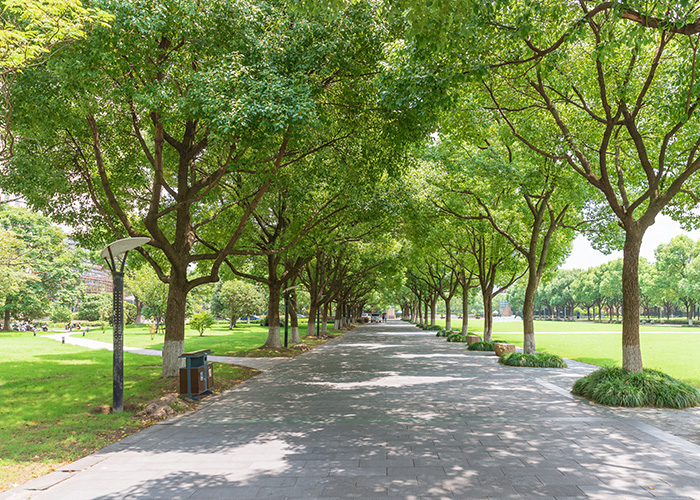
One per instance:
(537,360)
(481,346)
(613,386)
(456,337)
(432,327)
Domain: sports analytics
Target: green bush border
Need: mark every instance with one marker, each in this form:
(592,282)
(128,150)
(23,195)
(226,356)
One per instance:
(613,386)
(456,337)
(484,346)
(537,360)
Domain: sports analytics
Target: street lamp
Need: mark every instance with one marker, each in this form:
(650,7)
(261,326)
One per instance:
(286,314)
(110,253)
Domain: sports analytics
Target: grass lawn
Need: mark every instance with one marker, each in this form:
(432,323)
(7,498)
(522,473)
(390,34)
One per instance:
(669,349)
(55,394)
(244,340)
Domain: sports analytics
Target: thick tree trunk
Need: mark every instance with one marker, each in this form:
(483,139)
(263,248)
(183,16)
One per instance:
(433,302)
(138,319)
(488,317)
(448,315)
(231,323)
(337,324)
(529,311)
(324,320)
(311,326)
(6,326)
(273,316)
(465,310)
(174,343)
(631,348)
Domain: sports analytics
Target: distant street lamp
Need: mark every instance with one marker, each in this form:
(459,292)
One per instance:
(286,314)
(110,253)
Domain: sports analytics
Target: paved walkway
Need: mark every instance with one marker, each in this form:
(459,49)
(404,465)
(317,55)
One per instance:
(257,363)
(391,412)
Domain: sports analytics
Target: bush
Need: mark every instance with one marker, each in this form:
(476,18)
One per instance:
(432,327)
(481,346)
(612,386)
(537,360)
(443,333)
(456,337)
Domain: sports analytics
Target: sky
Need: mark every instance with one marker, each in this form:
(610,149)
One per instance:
(584,256)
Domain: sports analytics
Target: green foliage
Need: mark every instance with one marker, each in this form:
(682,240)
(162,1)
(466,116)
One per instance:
(432,327)
(613,386)
(456,337)
(481,346)
(95,307)
(537,360)
(241,299)
(151,292)
(201,321)
(61,314)
(443,333)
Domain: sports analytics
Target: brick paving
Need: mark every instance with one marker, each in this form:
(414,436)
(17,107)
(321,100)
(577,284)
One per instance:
(391,412)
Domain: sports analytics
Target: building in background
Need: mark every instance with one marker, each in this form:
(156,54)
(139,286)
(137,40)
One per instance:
(97,280)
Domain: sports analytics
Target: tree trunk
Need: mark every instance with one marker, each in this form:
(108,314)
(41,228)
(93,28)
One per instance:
(529,311)
(6,326)
(324,320)
(311,326)
(231,323)
(465,310)
(138,319)
(174,343)
(631,349)
(338,316)
(433,302)
(293,319)
(273,316)
(488,317)
(448,315)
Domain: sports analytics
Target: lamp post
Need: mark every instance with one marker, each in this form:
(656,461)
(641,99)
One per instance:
(286,314)
(111,254)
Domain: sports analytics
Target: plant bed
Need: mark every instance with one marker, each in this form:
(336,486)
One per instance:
(483,346)
(537,360)
(613,386)
(456,337)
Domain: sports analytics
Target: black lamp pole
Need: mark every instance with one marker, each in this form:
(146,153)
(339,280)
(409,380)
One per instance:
(110,254)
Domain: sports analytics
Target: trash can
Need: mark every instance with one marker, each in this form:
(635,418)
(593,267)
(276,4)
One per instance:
(197,376)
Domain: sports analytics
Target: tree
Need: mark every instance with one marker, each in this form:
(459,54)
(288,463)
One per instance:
(201,321)
(672,259)
(174,122)
(50,268)
(151,292)
(240,298)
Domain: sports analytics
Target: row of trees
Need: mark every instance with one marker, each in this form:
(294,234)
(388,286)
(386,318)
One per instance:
(667,285)
(256,139)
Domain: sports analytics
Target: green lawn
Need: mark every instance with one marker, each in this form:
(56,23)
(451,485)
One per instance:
(54,395)
(244,340)
(670,349)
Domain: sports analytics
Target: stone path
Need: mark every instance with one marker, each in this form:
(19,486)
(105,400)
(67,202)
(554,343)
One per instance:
(257,363)
(388,411)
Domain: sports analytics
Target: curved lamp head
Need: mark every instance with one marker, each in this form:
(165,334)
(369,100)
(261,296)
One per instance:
(116,248)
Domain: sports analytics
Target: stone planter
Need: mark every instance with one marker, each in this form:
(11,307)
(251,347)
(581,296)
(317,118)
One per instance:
(473,338)
(501,348)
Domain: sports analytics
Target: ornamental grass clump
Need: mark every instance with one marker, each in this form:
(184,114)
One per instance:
(456,337)
(612,386)
(537,360)
(483,346)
